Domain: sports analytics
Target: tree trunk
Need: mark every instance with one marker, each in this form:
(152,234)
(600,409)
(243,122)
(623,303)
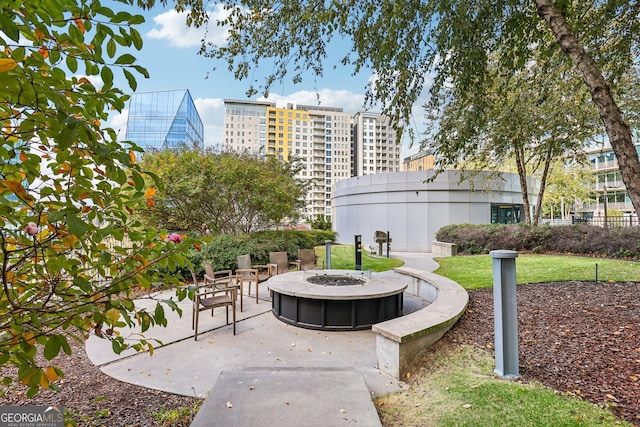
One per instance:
(617,129)
(522,174)
(543,185)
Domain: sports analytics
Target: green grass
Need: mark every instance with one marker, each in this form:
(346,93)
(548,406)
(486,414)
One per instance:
(476,271)
(343,257)
(177,417)
(459,389)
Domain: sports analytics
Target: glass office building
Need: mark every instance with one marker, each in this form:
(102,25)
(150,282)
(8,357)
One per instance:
(164,120)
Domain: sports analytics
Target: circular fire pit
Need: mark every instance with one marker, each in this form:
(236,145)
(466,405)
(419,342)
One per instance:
(329,280)
(337,300)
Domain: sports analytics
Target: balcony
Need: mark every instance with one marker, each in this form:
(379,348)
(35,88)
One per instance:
(608,164)
(611,185)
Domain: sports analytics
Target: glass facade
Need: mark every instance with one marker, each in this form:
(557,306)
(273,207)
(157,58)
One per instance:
(506,214)
(164,120)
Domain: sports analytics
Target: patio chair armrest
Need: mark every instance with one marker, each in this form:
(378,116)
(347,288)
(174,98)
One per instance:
(247,270)
(218,274)
(264,267)
(273,267)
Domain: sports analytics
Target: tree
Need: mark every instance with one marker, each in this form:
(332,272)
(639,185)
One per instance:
(621,33)
(528,118)
(568,185)
(231,193)
(405,42)
(70,251)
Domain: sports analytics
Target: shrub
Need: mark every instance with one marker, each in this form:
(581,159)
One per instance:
(575,239)
(223,250)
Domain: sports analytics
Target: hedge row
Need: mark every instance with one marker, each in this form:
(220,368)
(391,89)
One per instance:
(223,250)
(574,239)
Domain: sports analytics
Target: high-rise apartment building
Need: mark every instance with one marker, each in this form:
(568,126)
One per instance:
(421,161)
(374,144)
(327,155)
(164,120)
(322,138)
(245,126)
(608,187)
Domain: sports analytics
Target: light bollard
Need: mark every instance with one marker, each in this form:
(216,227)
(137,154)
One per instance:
(505,313)
(358,251)
(327,253)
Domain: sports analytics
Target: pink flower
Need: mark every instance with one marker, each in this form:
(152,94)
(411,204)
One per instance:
(32,229)
(174,237)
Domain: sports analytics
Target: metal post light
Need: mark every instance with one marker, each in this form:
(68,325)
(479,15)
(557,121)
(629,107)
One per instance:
(505,313)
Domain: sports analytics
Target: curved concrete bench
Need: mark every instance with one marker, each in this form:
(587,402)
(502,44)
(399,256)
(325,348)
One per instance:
(399,341)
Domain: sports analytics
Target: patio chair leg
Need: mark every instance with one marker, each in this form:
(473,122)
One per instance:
(234,316)
(195,337)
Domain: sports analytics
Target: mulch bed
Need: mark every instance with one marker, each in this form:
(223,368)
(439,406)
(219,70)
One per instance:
(576,337)
(580,338)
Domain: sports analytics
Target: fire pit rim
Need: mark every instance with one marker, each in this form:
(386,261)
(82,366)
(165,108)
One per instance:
(294,284)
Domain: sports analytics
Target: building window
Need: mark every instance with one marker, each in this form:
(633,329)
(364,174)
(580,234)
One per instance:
(506,214)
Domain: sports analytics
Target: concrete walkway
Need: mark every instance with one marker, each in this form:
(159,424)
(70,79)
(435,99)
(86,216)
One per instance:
(270,373)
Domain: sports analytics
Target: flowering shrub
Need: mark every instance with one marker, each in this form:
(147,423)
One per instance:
(174,238)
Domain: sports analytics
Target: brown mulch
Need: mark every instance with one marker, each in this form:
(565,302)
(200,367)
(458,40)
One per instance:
(579,338)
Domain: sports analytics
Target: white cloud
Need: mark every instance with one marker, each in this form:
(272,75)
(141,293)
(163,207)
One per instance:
(172,26)
(211,112)
(349,101)
(118,122)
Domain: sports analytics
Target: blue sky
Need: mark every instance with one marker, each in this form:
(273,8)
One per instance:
(170,54)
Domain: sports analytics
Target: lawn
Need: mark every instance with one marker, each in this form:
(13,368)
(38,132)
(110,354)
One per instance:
(343,258)
(476,271)
(460,388)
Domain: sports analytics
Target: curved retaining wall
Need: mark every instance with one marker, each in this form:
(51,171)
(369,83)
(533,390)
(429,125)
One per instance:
(400,341)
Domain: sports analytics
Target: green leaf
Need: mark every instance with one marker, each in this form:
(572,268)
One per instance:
(72,63)
(121,17)
(159,315)
(136,38)
(133,84)
(142,70)
(65,346)
(107,78)
(9,27)
(136,19)
(52,348)
(76,225)
(32,391)
(111,48)
(56,216)
(126,59)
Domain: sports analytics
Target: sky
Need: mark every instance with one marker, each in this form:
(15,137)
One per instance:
(170,54)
